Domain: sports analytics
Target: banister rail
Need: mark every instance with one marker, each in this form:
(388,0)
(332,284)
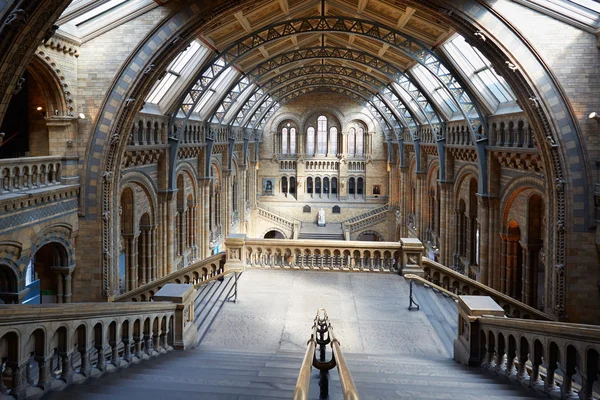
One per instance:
(424,281)
(322,326)
(201,271)
(452,280)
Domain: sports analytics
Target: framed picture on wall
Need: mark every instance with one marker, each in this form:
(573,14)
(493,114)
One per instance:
(376,190)
(268,186)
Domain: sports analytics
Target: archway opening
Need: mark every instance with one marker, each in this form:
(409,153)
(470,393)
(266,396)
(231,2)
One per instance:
(50,277)
(274,235)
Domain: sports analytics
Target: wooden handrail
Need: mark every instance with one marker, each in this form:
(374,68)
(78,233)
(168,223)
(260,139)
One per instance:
(433,285)
(496,295)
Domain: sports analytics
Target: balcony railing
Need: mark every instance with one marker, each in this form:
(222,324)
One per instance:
(20,175)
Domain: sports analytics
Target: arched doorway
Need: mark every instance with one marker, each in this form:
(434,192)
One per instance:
(9,285)
(369,236)
(50,275)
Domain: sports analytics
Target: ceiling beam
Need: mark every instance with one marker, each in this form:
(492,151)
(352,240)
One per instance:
(285,6)
(243,21)
(362,4)
(405,17)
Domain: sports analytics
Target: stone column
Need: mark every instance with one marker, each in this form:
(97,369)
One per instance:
(447,230)
(68,287)
(420,204)
(170,223)
(405,203)
(154,251)
(525,295)
(226,203)
(204,184)
(503,262)
(59,287)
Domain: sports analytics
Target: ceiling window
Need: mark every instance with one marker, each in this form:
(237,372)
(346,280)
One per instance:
(478,69)
(439,94)
(173,73)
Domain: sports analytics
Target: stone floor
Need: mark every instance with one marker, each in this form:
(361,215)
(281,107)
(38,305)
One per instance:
(275,309)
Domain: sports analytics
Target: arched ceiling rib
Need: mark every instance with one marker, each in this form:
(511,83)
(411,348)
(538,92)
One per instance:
(255,42)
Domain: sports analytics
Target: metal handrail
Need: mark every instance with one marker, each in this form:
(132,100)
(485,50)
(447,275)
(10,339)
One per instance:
(321,325)
(303,382)
(346,381)
(424,281)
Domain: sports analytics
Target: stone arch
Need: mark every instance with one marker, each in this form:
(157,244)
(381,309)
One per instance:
(273,229)
(367,119)
(52,82)
(144,181)
(59,233)
(329,112)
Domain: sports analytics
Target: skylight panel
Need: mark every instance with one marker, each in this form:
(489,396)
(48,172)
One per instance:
(184,57)
(434,87)
(160,88)
(478,69)
(97,12)
(589,4)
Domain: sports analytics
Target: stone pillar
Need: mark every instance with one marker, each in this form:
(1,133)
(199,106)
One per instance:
(420,197)
(204,184)
(154,252)
(447,228)
(59,287)
(68,292)
(503,262)
(405,203)
(170,223)
(525,295)
(226,203)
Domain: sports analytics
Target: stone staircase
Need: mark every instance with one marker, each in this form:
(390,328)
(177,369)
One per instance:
(218,372)
(333,231)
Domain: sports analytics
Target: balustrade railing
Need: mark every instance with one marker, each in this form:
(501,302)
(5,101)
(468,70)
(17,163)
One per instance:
(39,354)
(560,360)
(195,273)
(278,213)
(322,255)
(22,174)
(460,284)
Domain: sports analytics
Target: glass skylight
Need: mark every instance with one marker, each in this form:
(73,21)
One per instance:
(434,87)
(478,70)
(97,11)
(161,87)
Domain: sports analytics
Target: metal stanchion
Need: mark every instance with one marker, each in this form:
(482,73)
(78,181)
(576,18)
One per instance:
(413,304)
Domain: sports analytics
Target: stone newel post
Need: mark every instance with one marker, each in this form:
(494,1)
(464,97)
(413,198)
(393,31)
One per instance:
(467,347)
(186,334)
(412,253)
(236,254)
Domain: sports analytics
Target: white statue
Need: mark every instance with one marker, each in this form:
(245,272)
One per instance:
(321,218)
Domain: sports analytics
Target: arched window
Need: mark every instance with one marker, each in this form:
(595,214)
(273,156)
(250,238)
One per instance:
(292,140)
(284,141)
(351,141)
(309,185)
(359,186)
(318,185)
(310,141)
(322,135)
(284,185)
(333,185)
(292,185)
(333,140)
(351,184)
(326,185)
(360,142)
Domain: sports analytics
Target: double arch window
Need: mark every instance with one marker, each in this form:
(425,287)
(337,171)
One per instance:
(356,141)
(288,139)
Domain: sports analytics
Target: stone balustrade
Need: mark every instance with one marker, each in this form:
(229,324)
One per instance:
(47,347)
(19,175)
(270,216)
(560,360)
(312,254)
(367,219)
(198,272)
(460,284)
